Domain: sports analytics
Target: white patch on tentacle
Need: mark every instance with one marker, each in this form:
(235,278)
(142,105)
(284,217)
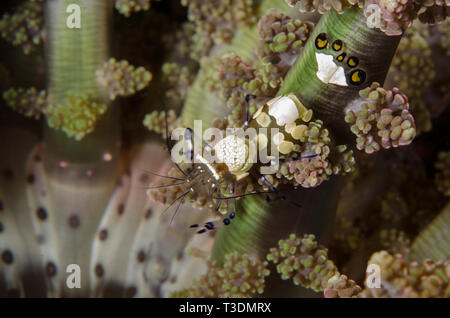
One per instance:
(284,110)
(328,72)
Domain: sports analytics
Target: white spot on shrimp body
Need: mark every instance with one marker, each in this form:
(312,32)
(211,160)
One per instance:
(328,72)
(284,110)
(232,151)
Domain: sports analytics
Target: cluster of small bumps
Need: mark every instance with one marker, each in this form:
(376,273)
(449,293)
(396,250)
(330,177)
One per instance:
(326,159)
(444,29)
(172,191)
(311,172)
(181,41)
(413,70)
(282,35)
(156,121)
(169,193)
(77,117)
(216,21)
(24,27)
(348,237)
(396,15)
(233,74)
(340,286)
(303,261)
(126,7)
(308,154)
(435,11)
(323,6)
(402,279)
(382,120)
(179,79)
(442,177)
(395,241)
(120,78)
(240,276)
(281,40)
(28,102)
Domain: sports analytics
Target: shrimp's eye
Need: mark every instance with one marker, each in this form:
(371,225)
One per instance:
(321,41)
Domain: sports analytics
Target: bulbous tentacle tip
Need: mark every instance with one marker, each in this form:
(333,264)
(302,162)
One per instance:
(156,121)
(399,278)
(303,261)
(77,117)
(380,119)
(24,27)
(119,78)
(323,6)
(442,177)
(340,286)
(241,275)
(393,17)
(28,102)
(127,7)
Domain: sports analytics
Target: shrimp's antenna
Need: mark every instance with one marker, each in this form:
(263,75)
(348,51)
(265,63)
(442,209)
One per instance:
(178,198)
(166,185)
(242,195)
(213,225)
(282,197)
(187,180)
(168,146)
(191,150)
(162,176)
(178,206)
(247,111)
(247,107)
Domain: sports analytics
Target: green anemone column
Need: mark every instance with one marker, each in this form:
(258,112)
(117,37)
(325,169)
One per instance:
(73,56)
(81,165)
